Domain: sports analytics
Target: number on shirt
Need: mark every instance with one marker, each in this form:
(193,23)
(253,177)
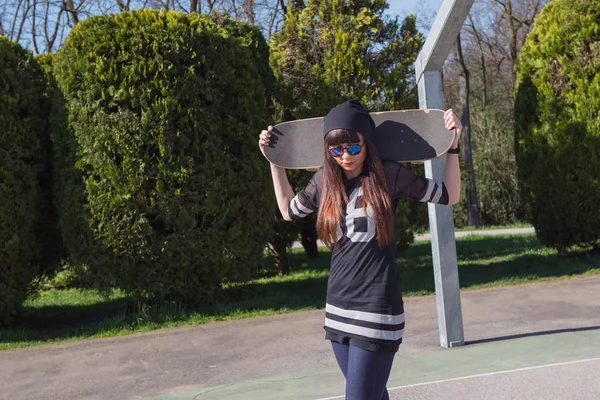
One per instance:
(360,226)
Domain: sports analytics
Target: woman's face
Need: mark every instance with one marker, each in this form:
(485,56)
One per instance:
(352,165)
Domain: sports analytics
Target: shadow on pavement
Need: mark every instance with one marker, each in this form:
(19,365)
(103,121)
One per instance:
(532,334)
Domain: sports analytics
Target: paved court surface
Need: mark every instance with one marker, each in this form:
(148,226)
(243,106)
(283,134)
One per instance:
(555,366)
(539,341)
(575,380)
(563,366)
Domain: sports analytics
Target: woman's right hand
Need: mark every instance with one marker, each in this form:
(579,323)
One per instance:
(283,190)
(264,139)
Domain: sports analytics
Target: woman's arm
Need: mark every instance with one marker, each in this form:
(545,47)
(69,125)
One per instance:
(283,189)
(452,169)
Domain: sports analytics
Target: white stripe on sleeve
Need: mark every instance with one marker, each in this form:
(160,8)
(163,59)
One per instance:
(294,206)
(438,193)
(430,187)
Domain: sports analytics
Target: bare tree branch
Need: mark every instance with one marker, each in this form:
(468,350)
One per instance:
(14,22)
(70,7)
(177,4)
(211,6)
(283,6)
(33,32)
(122,5)
(51,37)
(273,18)
(481,58)
(23,20)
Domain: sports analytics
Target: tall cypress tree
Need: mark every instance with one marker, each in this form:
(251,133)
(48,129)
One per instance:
(330,51)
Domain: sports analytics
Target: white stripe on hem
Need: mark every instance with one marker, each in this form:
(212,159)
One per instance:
(366,316)
(362,331)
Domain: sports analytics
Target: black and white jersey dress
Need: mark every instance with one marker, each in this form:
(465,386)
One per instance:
(364,301)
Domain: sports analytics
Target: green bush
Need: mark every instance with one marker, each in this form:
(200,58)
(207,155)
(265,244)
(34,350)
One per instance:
(557,116)
(52,247)
(69,194)
(164,109)
(495,168)
(23,132)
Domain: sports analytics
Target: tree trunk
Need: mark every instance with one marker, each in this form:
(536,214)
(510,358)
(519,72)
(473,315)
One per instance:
(194,6)
(73,10)
(249,10)
(484,99)
(122,6)
(471,189)
(33,32)
(444,94)
(283,5)
(513,40)
(308,235)
(279,245)
(274,17)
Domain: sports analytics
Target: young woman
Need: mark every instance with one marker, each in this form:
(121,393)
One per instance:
(356,195)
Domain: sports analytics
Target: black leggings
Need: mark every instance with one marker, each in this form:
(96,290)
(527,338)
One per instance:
(366,372)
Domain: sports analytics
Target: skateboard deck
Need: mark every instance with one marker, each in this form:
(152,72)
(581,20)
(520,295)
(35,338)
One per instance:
(403,136)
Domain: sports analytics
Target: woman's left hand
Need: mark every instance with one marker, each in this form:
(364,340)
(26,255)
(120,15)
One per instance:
(453,122)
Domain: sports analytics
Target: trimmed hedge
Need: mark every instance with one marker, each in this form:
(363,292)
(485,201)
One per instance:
(52,248)
(165,109)
(23,130)
(557,114)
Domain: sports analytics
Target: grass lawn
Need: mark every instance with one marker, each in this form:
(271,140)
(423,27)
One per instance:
(516,225)
(484,261)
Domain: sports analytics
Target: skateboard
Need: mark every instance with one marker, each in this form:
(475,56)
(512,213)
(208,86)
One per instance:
(403,136)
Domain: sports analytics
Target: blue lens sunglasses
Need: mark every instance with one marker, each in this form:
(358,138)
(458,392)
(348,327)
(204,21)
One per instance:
(353,150)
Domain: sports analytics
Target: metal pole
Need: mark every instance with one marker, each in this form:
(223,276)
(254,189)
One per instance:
(443,244)
(428,65)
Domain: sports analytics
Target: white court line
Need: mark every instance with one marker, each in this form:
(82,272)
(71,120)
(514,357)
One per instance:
(481,375)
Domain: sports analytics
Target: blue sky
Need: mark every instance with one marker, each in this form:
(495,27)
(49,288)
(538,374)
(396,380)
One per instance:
(403,7)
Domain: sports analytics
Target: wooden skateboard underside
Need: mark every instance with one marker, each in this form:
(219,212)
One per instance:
(402,136)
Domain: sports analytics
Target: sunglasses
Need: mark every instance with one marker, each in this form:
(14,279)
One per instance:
(353,150)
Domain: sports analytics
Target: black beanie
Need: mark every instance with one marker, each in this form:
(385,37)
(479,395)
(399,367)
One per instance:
(349,115)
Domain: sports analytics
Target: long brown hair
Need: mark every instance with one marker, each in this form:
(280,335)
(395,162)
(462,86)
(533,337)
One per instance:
(334,196)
